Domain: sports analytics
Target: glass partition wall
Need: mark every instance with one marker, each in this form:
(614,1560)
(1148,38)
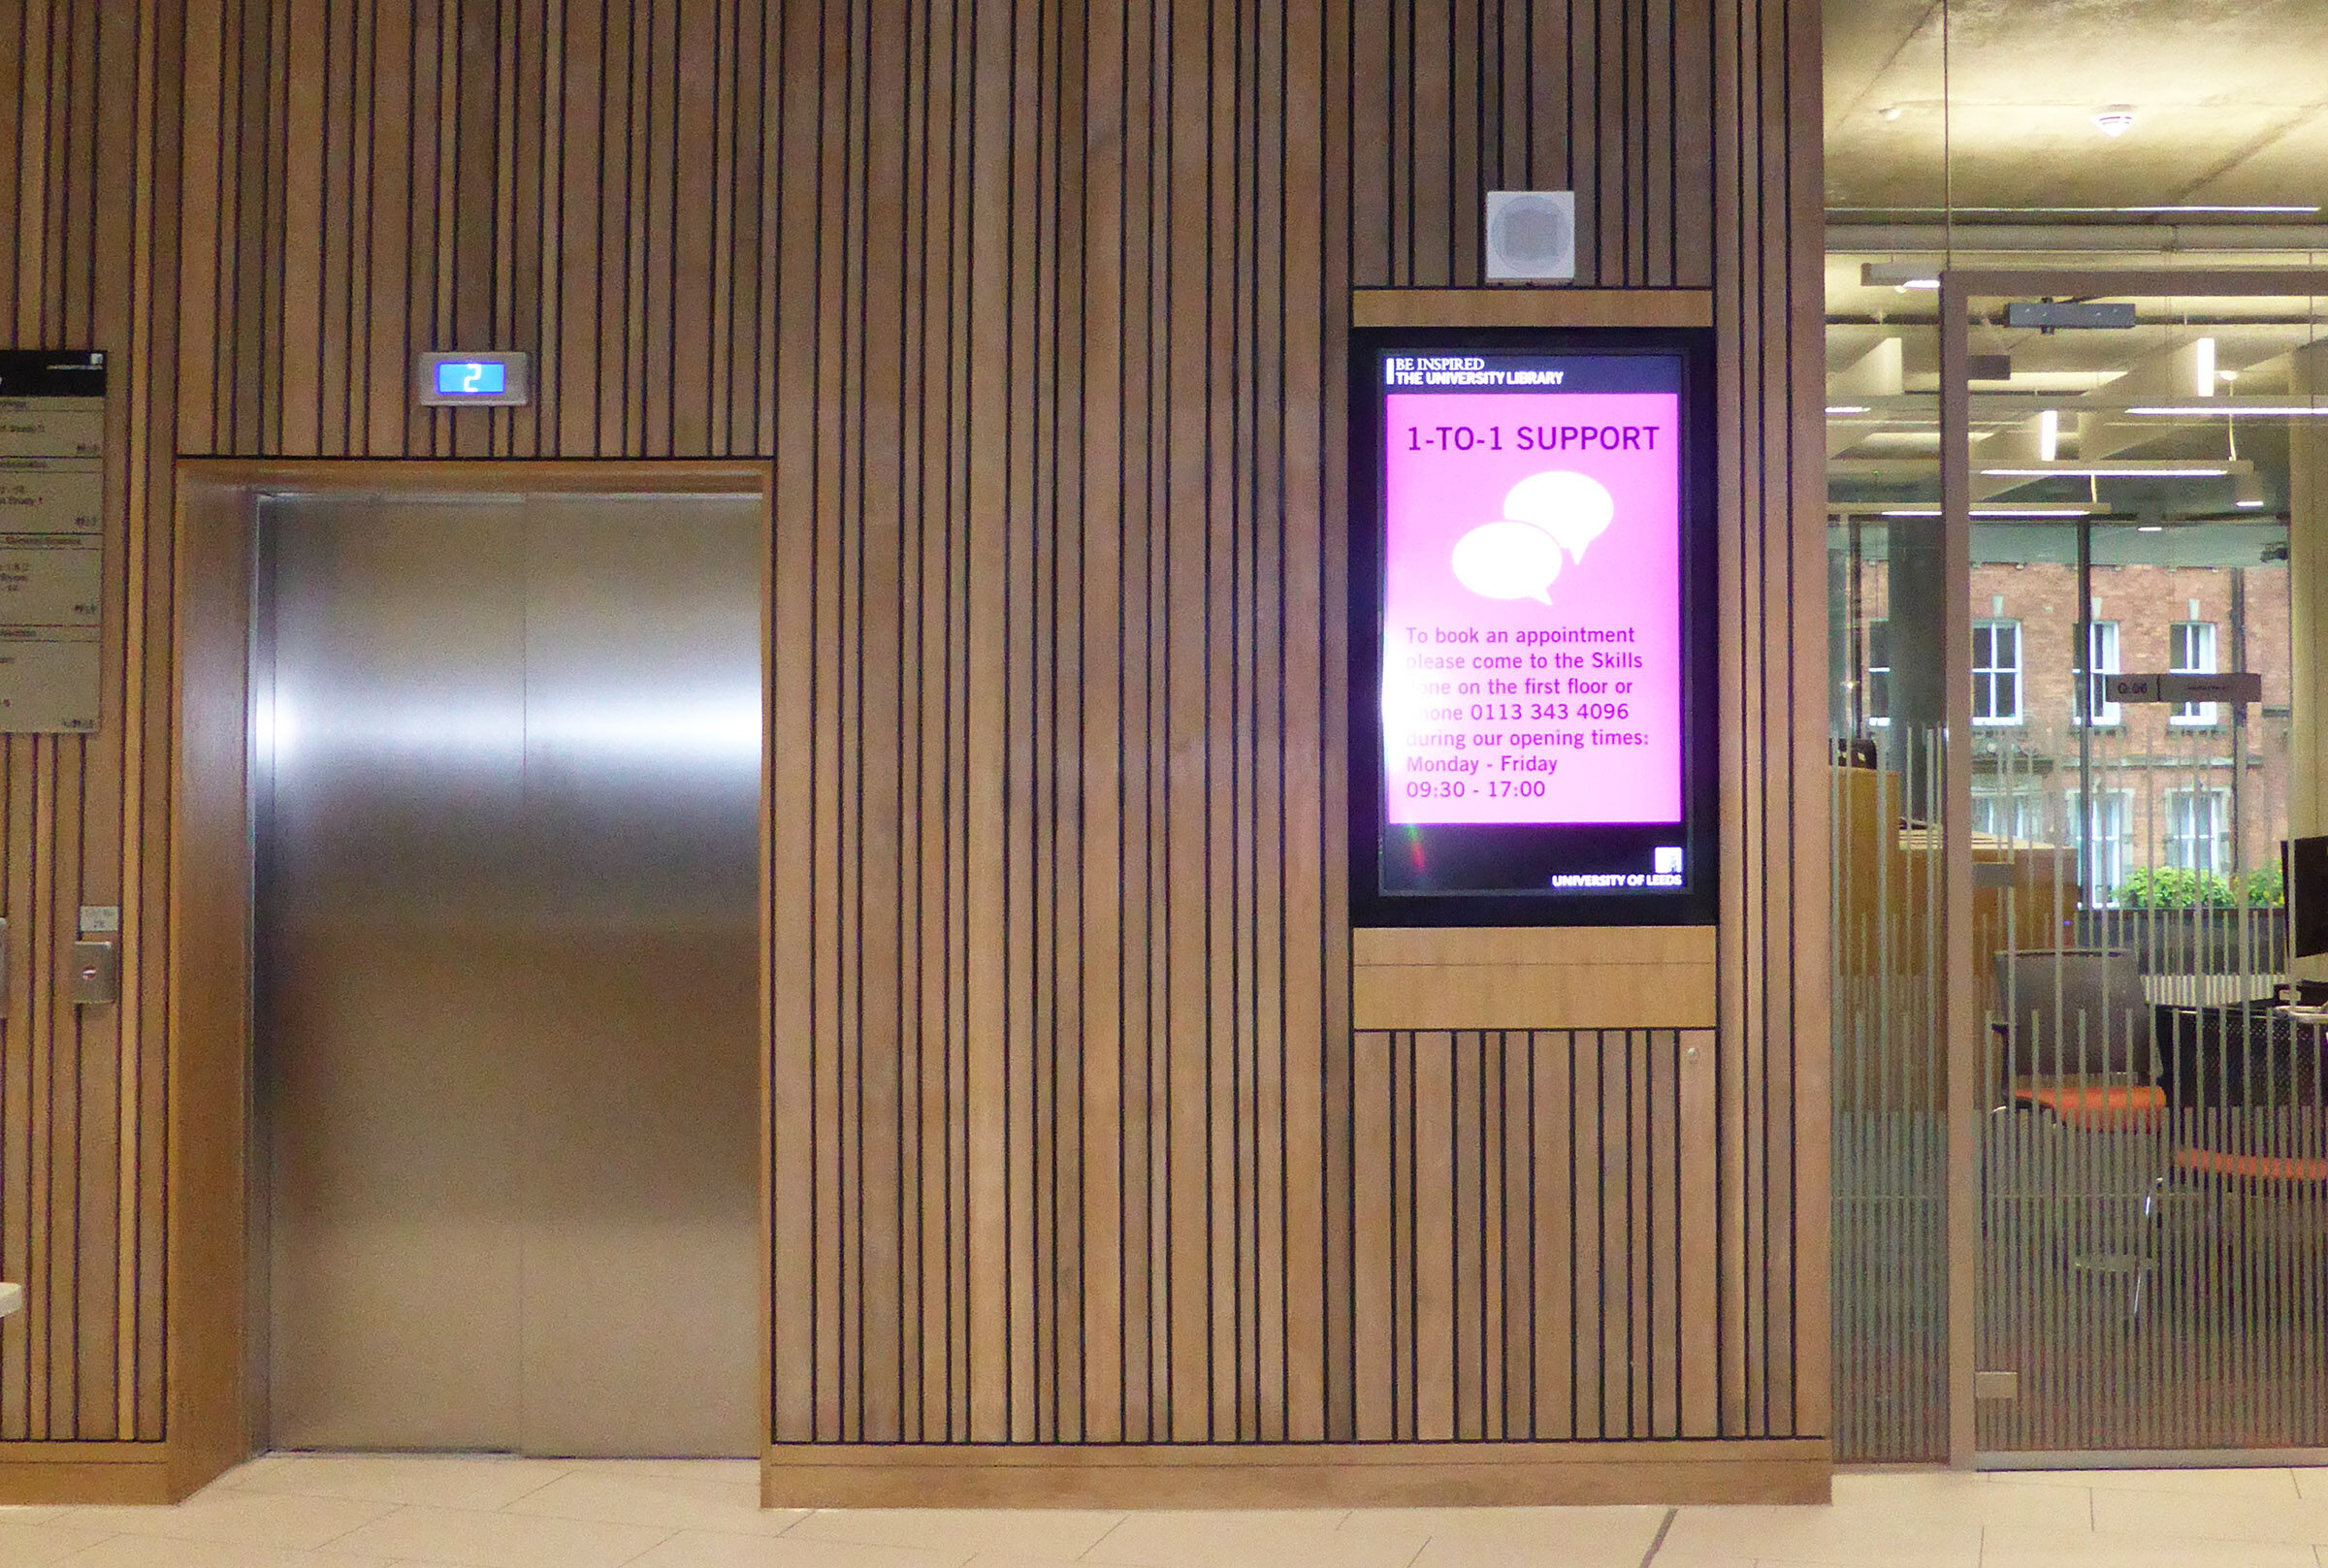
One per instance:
(2081,1145)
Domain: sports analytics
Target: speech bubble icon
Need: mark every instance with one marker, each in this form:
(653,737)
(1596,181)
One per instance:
(1507,561)
(1573,508)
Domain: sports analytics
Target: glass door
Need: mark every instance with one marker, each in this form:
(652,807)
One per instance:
(2147,1134)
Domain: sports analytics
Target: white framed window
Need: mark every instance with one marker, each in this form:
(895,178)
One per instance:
(2190,651)
(1996,672)
(2009,816)
(2110,840)
(2198,830)
(1876,689)
(2101,663)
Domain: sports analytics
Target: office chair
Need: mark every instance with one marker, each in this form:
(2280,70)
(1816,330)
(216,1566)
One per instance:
(2077,1050)
(2078,1038)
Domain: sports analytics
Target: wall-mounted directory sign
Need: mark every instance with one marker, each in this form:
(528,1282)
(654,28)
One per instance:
(1532,723)
(51,552)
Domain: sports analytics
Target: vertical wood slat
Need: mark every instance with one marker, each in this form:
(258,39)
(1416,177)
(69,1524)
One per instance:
(1579,1136)
(1058,618)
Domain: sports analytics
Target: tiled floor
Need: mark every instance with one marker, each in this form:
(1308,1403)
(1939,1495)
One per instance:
(310,1511)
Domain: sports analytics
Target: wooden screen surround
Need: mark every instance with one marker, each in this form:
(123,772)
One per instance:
(1107,1165)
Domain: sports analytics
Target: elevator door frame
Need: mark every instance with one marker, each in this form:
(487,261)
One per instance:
(216,1261)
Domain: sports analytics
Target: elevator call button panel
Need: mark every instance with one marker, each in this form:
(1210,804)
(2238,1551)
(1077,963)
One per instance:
(51,538)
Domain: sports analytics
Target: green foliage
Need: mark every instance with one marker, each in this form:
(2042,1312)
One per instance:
(2265,890)
(2176,888)
(2173,887)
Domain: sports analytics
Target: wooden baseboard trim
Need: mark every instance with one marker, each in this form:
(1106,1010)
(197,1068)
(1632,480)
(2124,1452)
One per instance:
(22,1450)
(1303,1475)
(139,1478)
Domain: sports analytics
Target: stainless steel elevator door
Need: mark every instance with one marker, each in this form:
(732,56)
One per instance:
(508,778)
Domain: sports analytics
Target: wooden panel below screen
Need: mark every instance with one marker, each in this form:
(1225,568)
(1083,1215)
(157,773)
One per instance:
(1519,996)
(1536,978)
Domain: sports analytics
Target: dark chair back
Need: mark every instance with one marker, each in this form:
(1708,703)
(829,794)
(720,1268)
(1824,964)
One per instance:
(2075,1012)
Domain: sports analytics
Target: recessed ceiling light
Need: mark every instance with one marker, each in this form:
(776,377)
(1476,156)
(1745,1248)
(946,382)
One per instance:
(2116,120)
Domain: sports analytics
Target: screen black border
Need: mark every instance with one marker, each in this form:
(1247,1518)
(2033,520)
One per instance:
(1698,903)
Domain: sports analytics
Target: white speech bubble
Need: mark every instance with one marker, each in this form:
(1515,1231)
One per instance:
(1574,509)
(1507,561)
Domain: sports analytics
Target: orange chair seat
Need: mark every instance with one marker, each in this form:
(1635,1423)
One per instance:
(2100,1107)
(2250,1166)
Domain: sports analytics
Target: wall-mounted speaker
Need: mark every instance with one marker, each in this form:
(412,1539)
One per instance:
(1531,237)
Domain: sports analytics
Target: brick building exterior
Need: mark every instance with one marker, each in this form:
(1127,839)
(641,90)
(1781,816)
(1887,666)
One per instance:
(2163,778)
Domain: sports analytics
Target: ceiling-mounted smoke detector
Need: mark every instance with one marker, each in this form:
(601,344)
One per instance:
(1531,237)
(2116,120)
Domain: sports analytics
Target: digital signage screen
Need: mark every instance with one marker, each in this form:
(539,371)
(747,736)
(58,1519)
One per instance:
(1534,628)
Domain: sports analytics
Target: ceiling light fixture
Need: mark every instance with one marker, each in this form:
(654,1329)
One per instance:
(2163,471)
(2247,492)
(2026,512)
(2150,528)
(2116,120)
(1846,408)
(1907,274)
(2049,435)
(1890,112)
(2268,411)
(2202,367)
(2153,209)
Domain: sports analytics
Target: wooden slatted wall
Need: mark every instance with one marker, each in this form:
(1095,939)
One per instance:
(87,137)
(1039,309)
(1525,1269)
(1076,1154)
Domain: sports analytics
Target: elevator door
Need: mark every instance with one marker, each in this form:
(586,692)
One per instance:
(508,771)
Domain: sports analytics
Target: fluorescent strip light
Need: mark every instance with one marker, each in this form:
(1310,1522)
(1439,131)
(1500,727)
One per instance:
(2187,411)
(2048,435)
(2202,375)
(1998,511)
(1915,274)
(2082,211)
(1848,408)
(2077,471)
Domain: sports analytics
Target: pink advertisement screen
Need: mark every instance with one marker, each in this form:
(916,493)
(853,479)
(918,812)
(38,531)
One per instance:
(1532,638)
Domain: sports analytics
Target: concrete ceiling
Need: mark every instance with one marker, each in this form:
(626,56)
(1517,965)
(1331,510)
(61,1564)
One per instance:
(2230,98)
